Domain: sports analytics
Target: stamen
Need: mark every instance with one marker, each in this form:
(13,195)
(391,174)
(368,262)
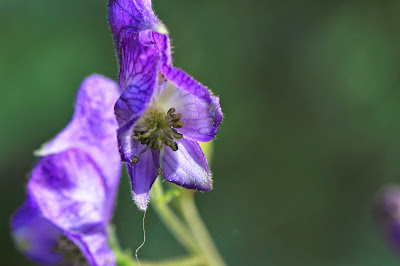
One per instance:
(135,159)
(178,124)
(156,130)
(160,170)
(171,111)
(175,118)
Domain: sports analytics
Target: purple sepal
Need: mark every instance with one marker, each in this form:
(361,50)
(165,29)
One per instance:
(66,197)
(93,129)
(142,176)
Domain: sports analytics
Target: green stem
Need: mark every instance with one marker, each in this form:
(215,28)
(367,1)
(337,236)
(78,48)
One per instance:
(187,261)
(172,222)
(198,229)
(125,258)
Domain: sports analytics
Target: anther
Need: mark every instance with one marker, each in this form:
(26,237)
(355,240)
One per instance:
(159,171)
(175,118)
(174,146)
(135,159)
(177,135)
(171,111)
(178,124)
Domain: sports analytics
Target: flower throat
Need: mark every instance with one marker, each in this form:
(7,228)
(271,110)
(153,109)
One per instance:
(157,129)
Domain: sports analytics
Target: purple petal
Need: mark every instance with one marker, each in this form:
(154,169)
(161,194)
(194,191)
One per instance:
(93,129)
(201,118)
(94,245)
(70,191)
(187,167)
(142,176)
(35,236)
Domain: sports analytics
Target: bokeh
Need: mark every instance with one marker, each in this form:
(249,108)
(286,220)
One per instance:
(310,90)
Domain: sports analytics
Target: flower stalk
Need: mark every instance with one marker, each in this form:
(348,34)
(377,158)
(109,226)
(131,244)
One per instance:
(174,224)
(191,233)
(198,229)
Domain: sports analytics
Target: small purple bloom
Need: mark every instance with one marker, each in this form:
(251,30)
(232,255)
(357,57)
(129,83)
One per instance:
(162,111)
(72,189)
(387,215)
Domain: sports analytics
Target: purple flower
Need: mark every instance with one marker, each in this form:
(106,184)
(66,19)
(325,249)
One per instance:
(162,111)
(72,189)
(387,215)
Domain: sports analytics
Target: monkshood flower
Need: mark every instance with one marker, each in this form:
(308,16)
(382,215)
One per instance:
(162,112)
(387,215)
(71,191)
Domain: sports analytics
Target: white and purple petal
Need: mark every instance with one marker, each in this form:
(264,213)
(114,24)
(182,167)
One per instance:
(186,167)
(201,118)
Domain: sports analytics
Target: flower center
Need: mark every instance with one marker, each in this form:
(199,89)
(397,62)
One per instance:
(72,254)
(156,129)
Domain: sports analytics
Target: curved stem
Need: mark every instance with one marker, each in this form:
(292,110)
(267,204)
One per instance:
(172,222)
(198,228)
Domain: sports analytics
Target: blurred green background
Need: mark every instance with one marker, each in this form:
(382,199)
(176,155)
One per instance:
(310,92)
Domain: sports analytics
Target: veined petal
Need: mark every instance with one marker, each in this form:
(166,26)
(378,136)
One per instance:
(137,79)
(129,17)
(142,176)
(93,129)
(186,167)
(35,236)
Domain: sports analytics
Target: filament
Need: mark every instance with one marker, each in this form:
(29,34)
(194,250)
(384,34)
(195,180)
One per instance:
(144,240)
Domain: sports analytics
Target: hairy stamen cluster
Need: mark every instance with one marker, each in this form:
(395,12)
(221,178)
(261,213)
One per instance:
(72,254)
(158,129)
